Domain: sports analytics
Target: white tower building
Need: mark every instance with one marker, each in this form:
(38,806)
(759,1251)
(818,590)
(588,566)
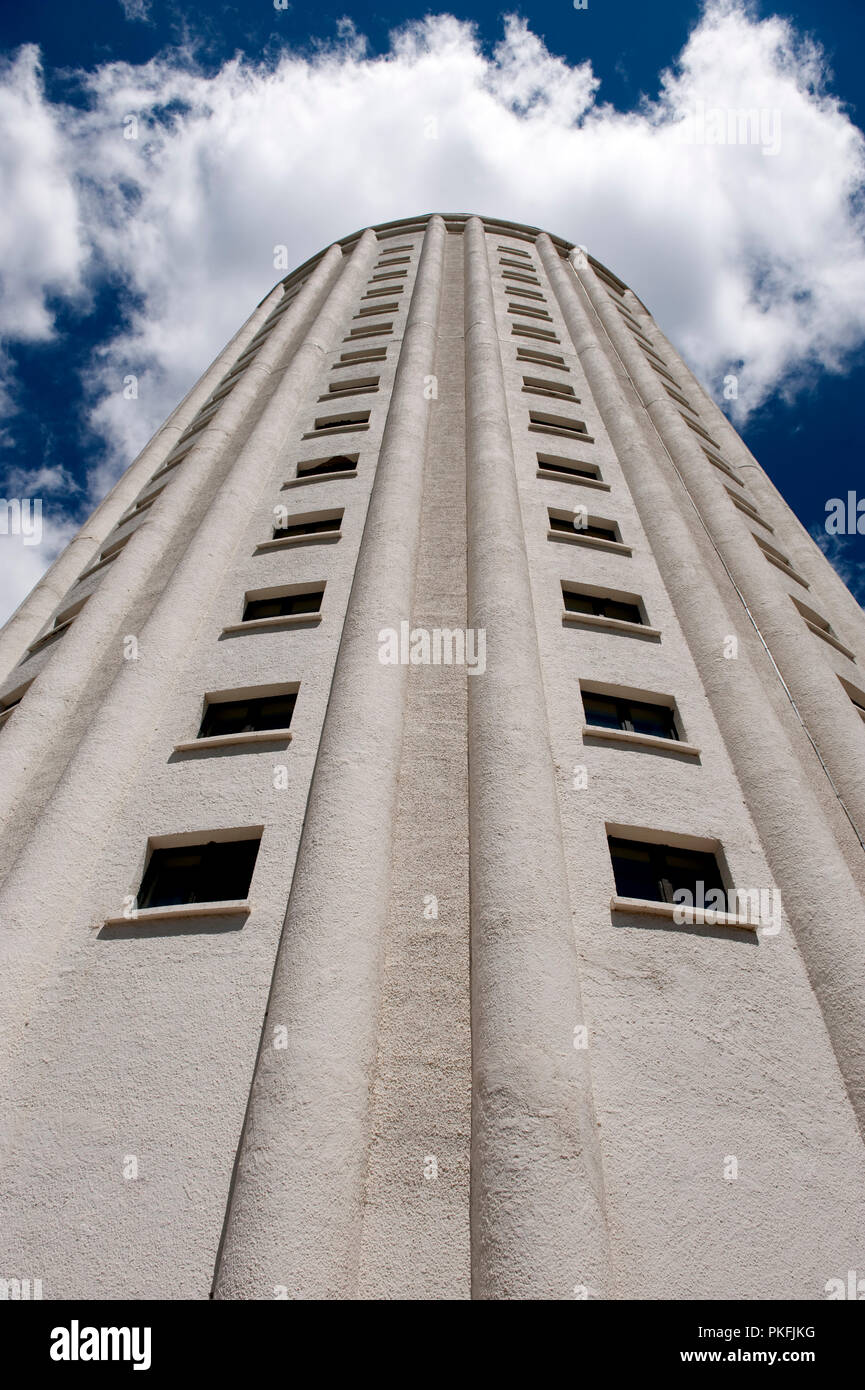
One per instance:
(368,763)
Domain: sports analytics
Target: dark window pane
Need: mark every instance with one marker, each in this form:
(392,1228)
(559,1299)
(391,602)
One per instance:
(635,874)
(578,603)
(651,719)
(215,872)
(565,523)
(601,711)
(571,470)
(623,612)
(247,716)
(656,872)
(601,607)
(306,528)
(685,868)
(283,606)
(334,465)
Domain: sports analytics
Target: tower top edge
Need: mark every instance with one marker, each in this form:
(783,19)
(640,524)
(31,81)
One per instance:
(454,221)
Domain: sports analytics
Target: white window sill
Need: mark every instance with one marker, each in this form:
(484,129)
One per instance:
(672,745)
(286,620)
(784,568)
(688,916)
(831,639)
(575,435)
(572,478)
(286,542)
(229,740)
(319,477)
(231,908)
(334,429)
(617,547)
(612,624)
(45,639)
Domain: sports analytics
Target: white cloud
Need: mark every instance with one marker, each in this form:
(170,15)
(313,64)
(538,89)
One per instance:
(42,245)
(136,9)
(745,258)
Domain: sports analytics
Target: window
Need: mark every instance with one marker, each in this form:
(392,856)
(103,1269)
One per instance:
(724,467)
(60,624)
(219,871)
(309,524)
(145,503)
(202,419)
(601,606)
(359,385)
(223,390)
(548,359)
(397,260)
(608,278)
(655,872)
(110,553)
(247,716)
(372,309)
(542,386)
(340,463)
(374,331)
(652,357)
(522,330)
(821,628)
(745,506)
(661,371)
(578,524)
(351,359)
(525,294)
(339,424)
(857,697)
(508,275)
(283,605)
(680,399)
(384,289)
(514,251)
(9,703)
(633,716)
(558,424)
(698,429)
(568,468)
(387,275)
(775,557)
(527,311)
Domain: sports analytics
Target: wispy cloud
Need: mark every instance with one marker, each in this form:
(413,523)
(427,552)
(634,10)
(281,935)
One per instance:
(178,184)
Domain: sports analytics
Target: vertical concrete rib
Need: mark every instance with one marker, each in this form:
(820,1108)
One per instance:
(72,829)
(828,713)
(538,1220)
(41,730)
(31,615)
(818,892)
(295,1213)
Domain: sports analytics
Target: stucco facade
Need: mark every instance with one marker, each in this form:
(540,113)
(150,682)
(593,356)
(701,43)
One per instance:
(435,1051)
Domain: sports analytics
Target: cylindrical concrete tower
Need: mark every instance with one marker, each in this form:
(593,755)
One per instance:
(433,802)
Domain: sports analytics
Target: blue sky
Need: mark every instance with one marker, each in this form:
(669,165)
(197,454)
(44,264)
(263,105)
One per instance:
(142,255)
